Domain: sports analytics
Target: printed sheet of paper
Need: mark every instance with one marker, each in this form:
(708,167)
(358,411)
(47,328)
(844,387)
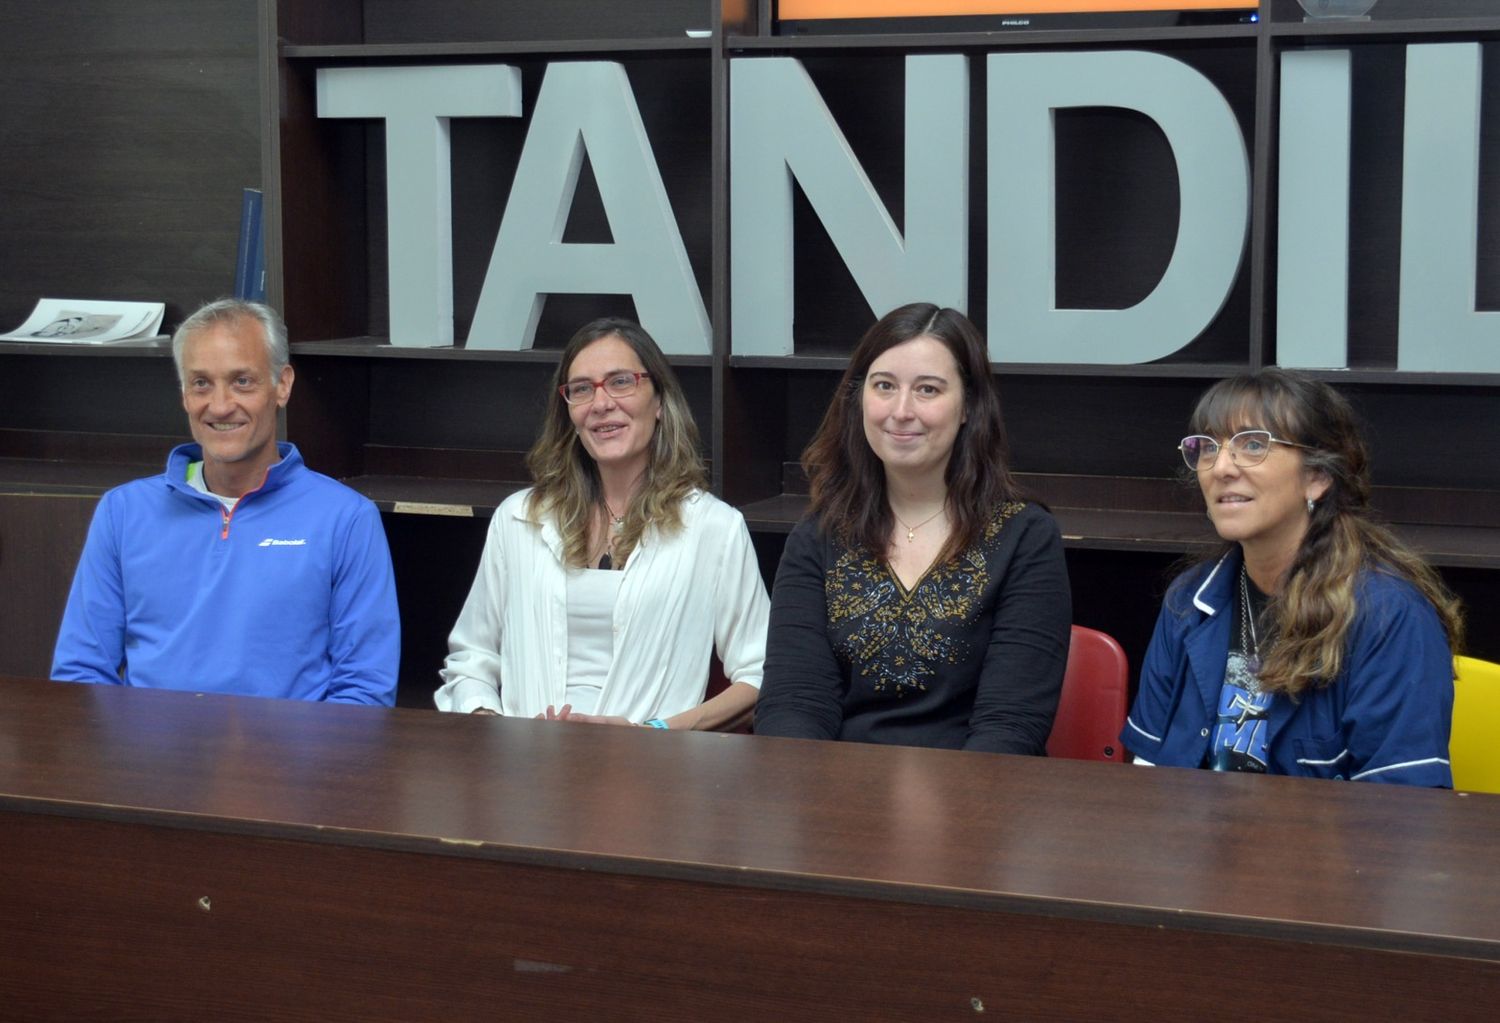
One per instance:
(83,321)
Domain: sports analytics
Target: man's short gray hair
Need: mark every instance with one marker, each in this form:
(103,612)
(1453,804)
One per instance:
(229,312)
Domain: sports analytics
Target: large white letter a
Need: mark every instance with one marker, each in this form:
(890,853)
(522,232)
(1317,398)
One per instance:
(588,107)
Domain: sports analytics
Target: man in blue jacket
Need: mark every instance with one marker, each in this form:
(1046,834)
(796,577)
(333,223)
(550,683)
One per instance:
(238,570)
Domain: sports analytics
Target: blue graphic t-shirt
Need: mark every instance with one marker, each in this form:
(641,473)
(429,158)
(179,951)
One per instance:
(1239,734)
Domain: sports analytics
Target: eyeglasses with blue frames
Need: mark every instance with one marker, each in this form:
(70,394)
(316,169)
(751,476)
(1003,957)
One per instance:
(621,384)
(1246,448)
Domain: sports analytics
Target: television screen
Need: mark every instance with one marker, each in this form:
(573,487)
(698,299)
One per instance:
(796,17)
(807,10)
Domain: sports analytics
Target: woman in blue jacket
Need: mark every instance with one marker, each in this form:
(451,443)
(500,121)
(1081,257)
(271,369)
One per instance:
(1315,643)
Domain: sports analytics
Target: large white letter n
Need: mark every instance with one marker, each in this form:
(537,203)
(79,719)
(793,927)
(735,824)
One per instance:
(781,129)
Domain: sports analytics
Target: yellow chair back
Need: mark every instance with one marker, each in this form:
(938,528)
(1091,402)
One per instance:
(1474,748)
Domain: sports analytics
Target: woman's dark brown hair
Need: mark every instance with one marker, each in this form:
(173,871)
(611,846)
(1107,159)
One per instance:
(848,480)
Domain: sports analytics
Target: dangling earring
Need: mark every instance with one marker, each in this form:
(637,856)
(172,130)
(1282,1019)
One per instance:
(1311,506)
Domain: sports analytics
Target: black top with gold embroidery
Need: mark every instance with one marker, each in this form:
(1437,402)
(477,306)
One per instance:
(972,657)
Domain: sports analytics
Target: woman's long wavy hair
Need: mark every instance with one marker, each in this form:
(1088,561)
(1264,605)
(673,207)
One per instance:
(566,479)
(1312,614)
(848,480)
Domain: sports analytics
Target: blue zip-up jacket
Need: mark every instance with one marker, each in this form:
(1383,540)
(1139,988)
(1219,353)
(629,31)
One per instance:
(292,595)
(1385,718)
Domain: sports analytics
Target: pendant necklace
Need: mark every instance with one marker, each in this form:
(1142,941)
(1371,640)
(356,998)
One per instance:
(616,524)
(1249,642)
(911,531)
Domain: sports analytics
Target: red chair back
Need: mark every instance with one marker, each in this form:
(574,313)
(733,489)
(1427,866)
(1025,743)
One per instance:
(1092,708)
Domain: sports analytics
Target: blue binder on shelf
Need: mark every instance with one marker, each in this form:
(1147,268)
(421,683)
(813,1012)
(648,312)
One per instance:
(250,256)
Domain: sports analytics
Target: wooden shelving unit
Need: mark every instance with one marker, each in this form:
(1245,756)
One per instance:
(1075,429)
(1095,442)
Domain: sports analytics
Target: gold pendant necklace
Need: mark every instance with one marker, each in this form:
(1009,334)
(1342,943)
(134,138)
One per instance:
(911,531)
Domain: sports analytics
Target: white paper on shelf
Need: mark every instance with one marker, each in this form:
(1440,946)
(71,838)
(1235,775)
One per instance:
(89,322)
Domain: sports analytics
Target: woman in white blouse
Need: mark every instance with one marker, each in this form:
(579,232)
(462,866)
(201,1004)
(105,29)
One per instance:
(605,587)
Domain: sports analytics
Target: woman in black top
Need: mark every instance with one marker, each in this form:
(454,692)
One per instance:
(922,602)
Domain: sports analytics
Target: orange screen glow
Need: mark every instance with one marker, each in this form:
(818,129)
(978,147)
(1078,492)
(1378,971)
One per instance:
(791,10)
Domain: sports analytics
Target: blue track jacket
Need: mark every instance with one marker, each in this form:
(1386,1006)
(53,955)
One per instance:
(291,596)
(1385,718)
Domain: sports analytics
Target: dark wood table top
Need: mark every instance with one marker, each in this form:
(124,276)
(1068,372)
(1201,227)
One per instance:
(1353,864)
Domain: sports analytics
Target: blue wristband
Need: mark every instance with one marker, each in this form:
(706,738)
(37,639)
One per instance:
(655,723)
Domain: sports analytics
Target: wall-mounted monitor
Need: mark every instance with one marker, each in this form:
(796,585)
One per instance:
(796,17)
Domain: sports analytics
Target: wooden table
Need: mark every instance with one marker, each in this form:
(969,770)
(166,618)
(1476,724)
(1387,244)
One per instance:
(171,855)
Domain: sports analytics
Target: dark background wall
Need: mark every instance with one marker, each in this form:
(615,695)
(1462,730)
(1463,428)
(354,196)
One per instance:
(127,131)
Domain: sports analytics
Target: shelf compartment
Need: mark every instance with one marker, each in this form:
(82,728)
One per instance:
(1450,528)
(498,48)
(350,23)
(380,348)
(333,232)
(68,478)
(993,40)
(1182,370)
(1414,29)
(412,495)
(57,462)
(1387,18)
(157,347)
